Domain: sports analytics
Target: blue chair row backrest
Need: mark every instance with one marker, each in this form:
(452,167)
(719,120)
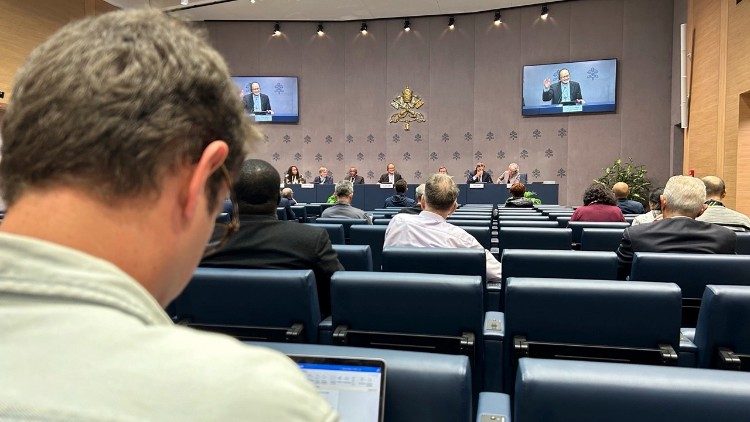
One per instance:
(743,243)
(335,232)
(601,239)
(577,227)
(354,257)
(723,331)
(533,238)
(374,236)
(347,223)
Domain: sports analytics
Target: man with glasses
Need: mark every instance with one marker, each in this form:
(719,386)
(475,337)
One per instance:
(119,145)
(564,91)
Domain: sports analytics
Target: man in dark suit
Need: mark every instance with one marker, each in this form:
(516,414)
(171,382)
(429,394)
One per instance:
(627,206)
(265,242)
(681,202)
(479,175)
(255,102)
(323,177)
(390,176)
(564,91)
(354,178)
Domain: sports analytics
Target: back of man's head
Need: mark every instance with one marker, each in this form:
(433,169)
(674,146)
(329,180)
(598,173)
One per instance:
(109,105)
(684,195)
(621,190)
(714,186)
(343,189)
(419,192)
(287,193)
(440,192)
(257,188)
(400,186)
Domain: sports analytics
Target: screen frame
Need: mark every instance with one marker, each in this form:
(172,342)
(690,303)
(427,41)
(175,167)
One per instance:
(617,88)
(299,97)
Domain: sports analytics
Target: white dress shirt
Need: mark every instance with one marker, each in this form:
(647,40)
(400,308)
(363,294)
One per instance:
(428,229)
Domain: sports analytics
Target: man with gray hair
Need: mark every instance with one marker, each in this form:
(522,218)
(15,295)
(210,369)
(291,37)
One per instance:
(122,139)
(716,212)
(678,231)
(416,209)
(430,229)
(343,208)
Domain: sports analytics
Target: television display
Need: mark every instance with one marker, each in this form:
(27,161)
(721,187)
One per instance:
(569,88)
(270,99)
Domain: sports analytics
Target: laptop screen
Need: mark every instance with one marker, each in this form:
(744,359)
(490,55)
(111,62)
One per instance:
(354,387)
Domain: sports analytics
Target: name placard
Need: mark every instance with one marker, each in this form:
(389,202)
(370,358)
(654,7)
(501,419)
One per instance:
(476,185)
(307,186)
(267,117)
(572,108)
(549,182)
(386,186)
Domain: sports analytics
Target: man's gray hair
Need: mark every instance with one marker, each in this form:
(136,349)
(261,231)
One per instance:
(714,186)
(344,188)
(111,104)
(419,192)
(685,195)
(440,192)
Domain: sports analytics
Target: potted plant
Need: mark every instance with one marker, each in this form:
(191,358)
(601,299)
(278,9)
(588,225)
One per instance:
(633,175)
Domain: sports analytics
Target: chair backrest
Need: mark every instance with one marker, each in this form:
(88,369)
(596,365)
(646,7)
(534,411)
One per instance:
(526,223)
(380,222)
(723,323)
(558,390)
(346,222)
(470,216)
(481,234)
(365,234)
(596,239)
(562,221)
(354,257)
(281,213)
(313,210)
(533,238)
(577,227)
(559,264)
(335,232)
(301,212)
(535,217)
(743,243)
(418,386)
(250,303)
(458,261)
(469,223)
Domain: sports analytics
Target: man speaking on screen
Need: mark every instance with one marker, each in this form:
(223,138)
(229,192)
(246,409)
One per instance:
(255,102)
(565,91)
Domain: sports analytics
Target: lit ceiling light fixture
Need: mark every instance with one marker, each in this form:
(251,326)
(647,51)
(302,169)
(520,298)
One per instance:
(320,30)
(363,28)
(276,29)
(451,23)
(407,25)
(252,1)
(498,18)
(184,2)
(545,12)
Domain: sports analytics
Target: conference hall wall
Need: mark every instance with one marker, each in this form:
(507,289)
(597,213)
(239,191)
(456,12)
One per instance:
(470,80)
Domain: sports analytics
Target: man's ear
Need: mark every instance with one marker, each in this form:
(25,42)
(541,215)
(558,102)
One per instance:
(453,207)
(211,159)
(662,203)
(704,207)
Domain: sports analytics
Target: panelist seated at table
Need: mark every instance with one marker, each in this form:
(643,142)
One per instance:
(292,176)
(479,175)
(512,175)
(390,176)
(323,177)
(353,177)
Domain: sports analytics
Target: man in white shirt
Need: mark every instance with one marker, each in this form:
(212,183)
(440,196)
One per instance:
(429,228)
(122,140)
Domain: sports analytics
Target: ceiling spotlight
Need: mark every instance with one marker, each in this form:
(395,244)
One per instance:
(320,30)
(363,28)
(498,18)
(545,12)
(252,1)
(451,22)
(184,2)
(276,29)
(407,25)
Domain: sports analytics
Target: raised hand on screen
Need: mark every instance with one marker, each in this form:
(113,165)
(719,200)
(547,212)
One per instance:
(547,83)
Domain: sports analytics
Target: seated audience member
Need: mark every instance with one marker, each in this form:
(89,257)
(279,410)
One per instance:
(599,204)
(512,175)
(442,170)
(263,241)
(654,213)
(479,175)
(292,176)
(517,200)
(353,177)
(681,202)
(323,177)
(343,208)
(417,208)
(716,212)
(430,229)
(390,175)
(135,162)
(286,201)
(627,206)
(400,199)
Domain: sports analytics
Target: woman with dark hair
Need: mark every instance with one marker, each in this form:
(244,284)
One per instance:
(293,177)
(654,205)
(599,204)
(517,199)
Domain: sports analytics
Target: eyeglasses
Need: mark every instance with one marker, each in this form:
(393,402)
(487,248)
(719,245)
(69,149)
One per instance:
(223,231)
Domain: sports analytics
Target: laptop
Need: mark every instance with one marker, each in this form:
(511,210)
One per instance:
(354,387)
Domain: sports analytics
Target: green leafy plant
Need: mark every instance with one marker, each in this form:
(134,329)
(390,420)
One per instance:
(633,175)
(531,196)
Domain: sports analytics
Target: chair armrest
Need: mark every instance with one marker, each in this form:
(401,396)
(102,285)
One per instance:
(686,355)
(495,405)
(494,286)
(688,333)
(494,325)
(325,331)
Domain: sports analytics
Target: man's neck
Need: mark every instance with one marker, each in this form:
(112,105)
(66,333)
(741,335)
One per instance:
(443,214)
(343,201)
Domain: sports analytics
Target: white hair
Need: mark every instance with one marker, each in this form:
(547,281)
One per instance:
(344,188)
(685,195)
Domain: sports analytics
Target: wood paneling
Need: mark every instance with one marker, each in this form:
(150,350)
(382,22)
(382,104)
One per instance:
(743,154)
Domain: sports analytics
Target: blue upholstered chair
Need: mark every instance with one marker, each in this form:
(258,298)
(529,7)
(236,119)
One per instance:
(723,334)
(503,217)
(365,234)
(590,320)
(335,232)
(346,222)
(281,213)
(274,305)
(442,313)
(526,223)
(558,390)
(599,239)
(692,272)
(301,212)
(481,234)
(533,238)
(562,221)
(577,227)
(469,223)
(743,243)
(354,257)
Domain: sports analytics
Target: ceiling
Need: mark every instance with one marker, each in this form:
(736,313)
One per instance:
(319,10)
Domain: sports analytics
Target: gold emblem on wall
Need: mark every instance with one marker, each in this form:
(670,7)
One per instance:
(407,104)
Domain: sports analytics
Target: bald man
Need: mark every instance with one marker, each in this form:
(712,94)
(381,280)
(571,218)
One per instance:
(627,206)
(716,212)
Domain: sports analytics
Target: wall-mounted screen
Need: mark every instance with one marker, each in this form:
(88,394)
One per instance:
(270,99)
(570,88)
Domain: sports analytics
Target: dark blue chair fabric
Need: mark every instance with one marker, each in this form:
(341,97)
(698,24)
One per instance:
(301,212)
(418,386)
(354,257)
(335,232)
(469,223)
(559,264)
(557,391)
(503,217)
(281,213)
(724,321)
(313,210)
(243,297)
(346,222)
(365,234)
(379,222)
(577,227)
(520,223)
(533,238)
(596,239)
(481,234)
(743,243)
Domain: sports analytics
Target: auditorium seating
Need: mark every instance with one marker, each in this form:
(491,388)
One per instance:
(722,334)
(527,223)
(469,223)
(481,234)
(301,212)
(590,320)
(599,239)
(577,227)
(440,313)
(312,210)
(743,243)
(273,305)
(346,222)
(374,236)
(533,238)
(692,272)
(335,232)
(562,391)
(503,217)
(562,221)
(354,257)
(281,213)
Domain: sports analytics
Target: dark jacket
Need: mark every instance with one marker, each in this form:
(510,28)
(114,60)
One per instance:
(384,178)
(358,180)
(265,103)
(518,203)
(399,200)
(554,93)
(486,178)
(628,206)
(328,180)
